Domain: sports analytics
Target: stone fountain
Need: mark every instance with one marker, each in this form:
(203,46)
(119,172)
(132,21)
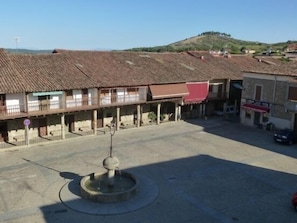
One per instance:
(112,186)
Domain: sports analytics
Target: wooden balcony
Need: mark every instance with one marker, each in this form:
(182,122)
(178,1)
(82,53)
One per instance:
(46,107)
(111,100)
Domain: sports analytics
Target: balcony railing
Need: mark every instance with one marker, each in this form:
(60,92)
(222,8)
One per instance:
(12,110)
(46,107)
(52,106)
(122,99)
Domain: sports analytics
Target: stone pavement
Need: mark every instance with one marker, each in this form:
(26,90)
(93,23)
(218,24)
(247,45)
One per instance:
(203,171)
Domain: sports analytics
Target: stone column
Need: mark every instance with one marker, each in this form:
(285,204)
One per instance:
(179,112)
(158,113)
(203,110)
(63,126)
(176,115)
(118,119)
(138,116)
(95,122)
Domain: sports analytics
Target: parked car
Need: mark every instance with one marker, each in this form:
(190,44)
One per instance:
(287,136)
(294,201)
(230,110)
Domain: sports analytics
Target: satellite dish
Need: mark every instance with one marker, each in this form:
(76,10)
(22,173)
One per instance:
(238,86)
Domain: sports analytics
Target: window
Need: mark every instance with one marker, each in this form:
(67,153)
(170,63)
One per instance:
(69,94)
(292,93)
(105,92)
(132,90)
(2,99)
(258,93)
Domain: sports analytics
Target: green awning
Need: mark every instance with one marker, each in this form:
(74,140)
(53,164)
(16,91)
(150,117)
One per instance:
(44,93)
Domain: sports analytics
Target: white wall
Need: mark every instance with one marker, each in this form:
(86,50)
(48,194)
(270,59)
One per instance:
(76,101)
(15,103)
(55,101)
(33,104)
(120,94)
(92,95)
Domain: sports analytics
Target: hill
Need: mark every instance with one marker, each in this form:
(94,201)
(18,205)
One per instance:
(218,42)
(26,51)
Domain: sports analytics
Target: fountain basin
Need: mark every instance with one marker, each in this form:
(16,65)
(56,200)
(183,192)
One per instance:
(94,187)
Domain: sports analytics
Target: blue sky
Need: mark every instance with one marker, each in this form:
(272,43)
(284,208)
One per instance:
(124,24)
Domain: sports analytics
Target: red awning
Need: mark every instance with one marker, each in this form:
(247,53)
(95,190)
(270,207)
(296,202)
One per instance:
(256,108)
(169,91)
(198,92)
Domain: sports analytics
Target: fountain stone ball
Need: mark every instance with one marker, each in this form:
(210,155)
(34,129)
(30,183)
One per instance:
(111,163)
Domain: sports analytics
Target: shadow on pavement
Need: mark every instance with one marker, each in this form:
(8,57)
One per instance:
(201,189)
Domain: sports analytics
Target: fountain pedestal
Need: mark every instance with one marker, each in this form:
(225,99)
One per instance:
(112,186)
(111,163)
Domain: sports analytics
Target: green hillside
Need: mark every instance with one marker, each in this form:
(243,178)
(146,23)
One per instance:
(26,51)
(218,42)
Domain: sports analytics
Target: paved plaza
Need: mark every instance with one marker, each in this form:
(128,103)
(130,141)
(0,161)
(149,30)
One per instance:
(213,170)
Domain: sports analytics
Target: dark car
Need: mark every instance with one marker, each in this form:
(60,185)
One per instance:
(294,201)
(287,136)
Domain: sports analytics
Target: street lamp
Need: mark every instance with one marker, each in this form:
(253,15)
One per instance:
(112,132)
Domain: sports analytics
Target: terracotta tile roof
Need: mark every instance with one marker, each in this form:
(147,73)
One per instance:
(116,68)
(279,67)
(50,72)
(124,68)
(285,69)
(231,66)
(67,69)
(11,80)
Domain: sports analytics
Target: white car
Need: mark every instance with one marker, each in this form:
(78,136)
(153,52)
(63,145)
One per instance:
(230,109)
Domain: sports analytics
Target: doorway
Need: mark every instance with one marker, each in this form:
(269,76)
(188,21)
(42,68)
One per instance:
(69,122)
(257,118)
(85,97)
(42,128)
(3,132)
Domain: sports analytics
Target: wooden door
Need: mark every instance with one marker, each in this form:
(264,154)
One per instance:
(2,104)
(85,97)
(42,127)
(43,103)
(100,119)
(114,96)
(3,132)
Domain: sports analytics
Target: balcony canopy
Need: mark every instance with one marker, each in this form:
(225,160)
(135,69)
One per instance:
(169,91)
(256,108)
(198,92)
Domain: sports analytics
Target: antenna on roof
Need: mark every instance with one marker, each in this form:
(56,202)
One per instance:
(17,40)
